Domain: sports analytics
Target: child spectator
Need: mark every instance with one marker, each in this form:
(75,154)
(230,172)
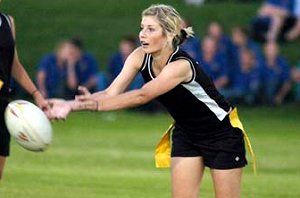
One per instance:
(296,79)
(224,43)
(192,44)
(116,62)
(276,75)
(60,73)
(213,63)
(246,84)
(241,40)
(277,20)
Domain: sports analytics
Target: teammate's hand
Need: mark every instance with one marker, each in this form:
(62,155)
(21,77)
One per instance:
(60,109)
(40,100)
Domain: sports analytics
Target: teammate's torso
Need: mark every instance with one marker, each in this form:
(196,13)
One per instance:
(196,106)
(7,46)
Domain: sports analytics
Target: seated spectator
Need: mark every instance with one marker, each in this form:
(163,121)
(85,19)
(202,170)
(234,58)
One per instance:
(277,20)
(224,43)
(275,74)
(192,44)
(194,2)
(116,62)
(294,33)
(246,84)
(60,73)
(213,63)
(296,79)
(241,40)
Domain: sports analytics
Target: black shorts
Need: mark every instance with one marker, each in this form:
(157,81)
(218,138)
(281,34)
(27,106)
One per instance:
(4,134)
(222,151)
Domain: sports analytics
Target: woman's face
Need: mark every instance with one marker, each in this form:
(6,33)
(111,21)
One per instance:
(151,35)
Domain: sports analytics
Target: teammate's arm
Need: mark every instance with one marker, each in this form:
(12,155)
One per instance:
(21,76)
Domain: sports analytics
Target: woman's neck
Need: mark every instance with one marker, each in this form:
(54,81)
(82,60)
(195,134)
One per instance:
(161,57)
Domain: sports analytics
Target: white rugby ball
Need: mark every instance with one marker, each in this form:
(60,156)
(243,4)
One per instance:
(28,124)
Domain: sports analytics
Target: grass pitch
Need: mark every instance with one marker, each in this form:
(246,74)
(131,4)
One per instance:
(110,155)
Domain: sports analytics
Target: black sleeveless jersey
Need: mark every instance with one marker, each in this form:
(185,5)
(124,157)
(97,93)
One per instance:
(196,106)
(7,47)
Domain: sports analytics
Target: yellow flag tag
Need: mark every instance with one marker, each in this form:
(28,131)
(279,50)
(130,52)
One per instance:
(1,84)
(163,150)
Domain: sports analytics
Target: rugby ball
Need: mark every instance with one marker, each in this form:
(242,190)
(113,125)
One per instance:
(29,125)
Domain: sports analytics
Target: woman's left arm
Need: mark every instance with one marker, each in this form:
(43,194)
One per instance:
(172,75)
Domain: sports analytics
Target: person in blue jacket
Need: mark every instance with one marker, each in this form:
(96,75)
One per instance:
(277,20)
(296,79)
(241,39)
(60,73)
(246,84)
(213,63)
(276,75)
(116,62)
(191,45)
(224,43)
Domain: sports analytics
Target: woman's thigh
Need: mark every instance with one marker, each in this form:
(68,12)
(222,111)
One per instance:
(186,175)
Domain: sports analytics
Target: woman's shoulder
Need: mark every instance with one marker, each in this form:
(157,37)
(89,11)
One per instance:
(138,52)
(137,55)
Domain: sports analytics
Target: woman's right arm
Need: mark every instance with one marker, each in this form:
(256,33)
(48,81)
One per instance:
(41,79)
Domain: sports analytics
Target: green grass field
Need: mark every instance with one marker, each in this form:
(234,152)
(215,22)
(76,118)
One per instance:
(111,155)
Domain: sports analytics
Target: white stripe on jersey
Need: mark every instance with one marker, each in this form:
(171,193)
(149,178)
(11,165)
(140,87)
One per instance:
(145,63)
(196,89)
(8,20)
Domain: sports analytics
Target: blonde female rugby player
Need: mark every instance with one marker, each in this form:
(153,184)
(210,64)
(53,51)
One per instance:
(203,135)
(11,66)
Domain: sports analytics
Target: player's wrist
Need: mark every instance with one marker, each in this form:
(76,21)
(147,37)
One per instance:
(34,92)
(97,106)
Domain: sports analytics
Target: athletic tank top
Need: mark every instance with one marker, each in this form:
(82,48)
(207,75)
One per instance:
(7,47)
(196,106)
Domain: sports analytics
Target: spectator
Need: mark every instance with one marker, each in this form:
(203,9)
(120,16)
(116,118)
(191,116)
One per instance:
(213,63)
(61,72)
(224,43)
(116,62)
(277,20)
(194,2)
(86,66)
(192,44)
(276,75)
(241,40)
(296,79)
(295,31)
(246,83)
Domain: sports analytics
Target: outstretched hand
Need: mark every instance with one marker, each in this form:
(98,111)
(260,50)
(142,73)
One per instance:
(59,110)
(86,101)
(84,94)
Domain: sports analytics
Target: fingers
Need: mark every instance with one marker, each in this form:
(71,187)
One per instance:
(59,109)
(82,97)
(83,90)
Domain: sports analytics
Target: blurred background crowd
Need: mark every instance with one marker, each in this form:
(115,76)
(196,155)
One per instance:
(245,64)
